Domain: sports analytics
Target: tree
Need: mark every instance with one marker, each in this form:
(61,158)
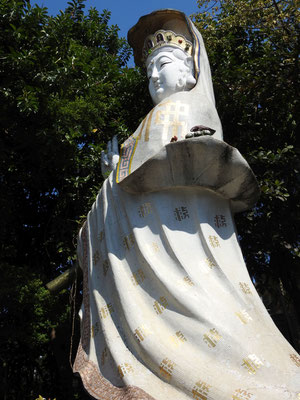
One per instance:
(253,48)
(65,91)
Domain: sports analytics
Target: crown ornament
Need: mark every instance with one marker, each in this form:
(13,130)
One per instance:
(163,38)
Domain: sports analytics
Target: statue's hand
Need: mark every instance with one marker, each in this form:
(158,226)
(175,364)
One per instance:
(110,159)
(200,130)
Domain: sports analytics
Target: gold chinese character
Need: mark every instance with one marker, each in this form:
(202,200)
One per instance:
(252,363)
(177,339)
(95,329)
(200,390)
(181,213)
(152,247)
(96,257)
(188,280)
(142,332)
(295,359)
(166,368)
(106,310)
(155,247)
(104,356)
(245,287)
(255,360)
(212,337)
(125,243)
(128,241)
(172,116)
(160,305)
(105,266)
(214,241)
(101,236)
(210,262)
(138,277)
(144,210)
(124,369)
(243,316)
(180,336)
(220,221)
(241,394)
(131,239)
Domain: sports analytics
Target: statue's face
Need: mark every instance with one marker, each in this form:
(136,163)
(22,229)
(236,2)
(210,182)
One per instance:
(169,71)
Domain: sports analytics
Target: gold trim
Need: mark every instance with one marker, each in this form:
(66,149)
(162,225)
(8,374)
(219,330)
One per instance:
(118,167)
(148,125)
(142,127)
(133,151)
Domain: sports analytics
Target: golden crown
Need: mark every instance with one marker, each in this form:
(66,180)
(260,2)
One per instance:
(165,38)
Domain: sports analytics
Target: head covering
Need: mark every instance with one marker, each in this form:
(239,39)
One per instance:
(177,22)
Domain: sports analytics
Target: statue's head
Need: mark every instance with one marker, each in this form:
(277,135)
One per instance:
(169,70)
(170,47)
(163,43)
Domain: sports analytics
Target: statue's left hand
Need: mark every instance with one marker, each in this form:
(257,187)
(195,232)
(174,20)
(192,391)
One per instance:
(110,159)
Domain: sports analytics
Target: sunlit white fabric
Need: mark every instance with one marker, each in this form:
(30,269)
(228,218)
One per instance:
(169,310)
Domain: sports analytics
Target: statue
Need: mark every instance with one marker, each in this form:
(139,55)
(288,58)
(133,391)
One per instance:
(169,310)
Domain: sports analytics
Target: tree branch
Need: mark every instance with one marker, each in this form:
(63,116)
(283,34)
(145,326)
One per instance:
(64,280)
(281,20)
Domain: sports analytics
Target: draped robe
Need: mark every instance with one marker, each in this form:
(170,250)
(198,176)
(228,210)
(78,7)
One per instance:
(169,310)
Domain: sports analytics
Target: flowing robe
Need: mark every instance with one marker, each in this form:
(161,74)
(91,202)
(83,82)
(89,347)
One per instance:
(169,310)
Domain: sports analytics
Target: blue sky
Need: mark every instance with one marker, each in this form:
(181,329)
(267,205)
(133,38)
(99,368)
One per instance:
(124,13)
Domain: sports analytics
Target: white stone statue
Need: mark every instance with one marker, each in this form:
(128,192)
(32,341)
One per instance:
(110,159)
(169,70)
(169,310)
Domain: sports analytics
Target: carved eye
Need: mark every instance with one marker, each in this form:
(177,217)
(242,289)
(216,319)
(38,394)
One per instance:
(149,73)
(164,63)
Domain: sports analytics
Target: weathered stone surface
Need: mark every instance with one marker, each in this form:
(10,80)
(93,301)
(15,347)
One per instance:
(204,162)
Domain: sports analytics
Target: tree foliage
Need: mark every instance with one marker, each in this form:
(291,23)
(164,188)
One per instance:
(253,48)
(65,91)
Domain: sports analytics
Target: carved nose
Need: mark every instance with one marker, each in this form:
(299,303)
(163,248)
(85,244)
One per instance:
(154,75)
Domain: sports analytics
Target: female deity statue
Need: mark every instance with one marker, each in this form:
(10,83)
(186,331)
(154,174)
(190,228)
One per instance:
(169,310)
